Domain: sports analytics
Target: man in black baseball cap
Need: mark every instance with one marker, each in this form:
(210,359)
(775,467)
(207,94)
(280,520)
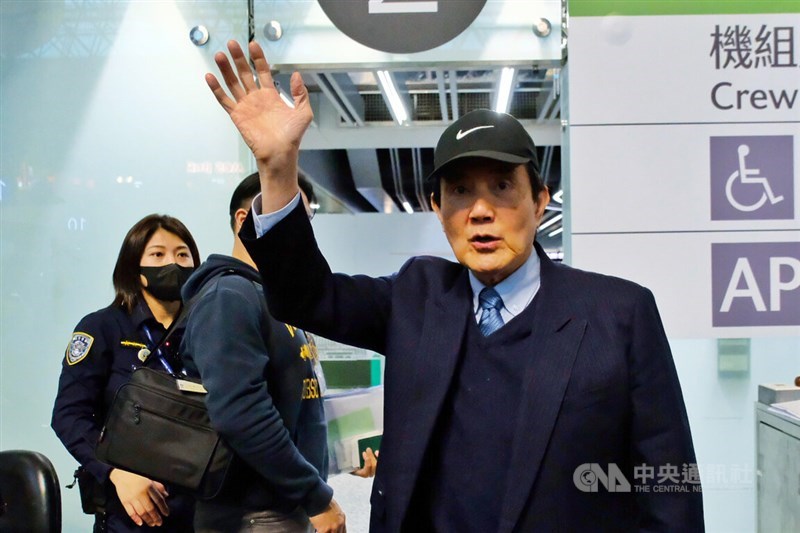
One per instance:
(486,163)
(485,133)
(519,394)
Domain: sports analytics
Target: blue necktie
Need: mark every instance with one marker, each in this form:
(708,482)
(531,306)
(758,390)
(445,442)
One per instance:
(490,303)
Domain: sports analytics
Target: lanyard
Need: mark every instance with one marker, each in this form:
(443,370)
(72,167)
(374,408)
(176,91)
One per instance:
(161,358)
(175,324)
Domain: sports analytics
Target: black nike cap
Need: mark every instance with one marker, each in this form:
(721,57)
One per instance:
(484,133)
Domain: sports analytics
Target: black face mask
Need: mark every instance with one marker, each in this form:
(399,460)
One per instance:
(165,282)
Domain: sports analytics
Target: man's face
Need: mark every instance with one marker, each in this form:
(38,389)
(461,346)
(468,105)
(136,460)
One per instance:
(489,215)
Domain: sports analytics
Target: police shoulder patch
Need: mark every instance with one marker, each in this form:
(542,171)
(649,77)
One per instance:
(79,347)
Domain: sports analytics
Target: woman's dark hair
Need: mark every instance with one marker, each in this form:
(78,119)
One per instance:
(537,184)
(127,284)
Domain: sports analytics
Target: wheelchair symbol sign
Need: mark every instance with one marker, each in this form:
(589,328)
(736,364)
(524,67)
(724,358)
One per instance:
(752,178)
(749,176)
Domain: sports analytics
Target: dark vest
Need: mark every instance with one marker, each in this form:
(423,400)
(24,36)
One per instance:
(473,433)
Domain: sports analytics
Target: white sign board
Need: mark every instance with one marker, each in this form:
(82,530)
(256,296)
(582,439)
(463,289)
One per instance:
(684,136)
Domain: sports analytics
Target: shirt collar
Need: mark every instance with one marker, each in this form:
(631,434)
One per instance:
(141,313)
(517,290)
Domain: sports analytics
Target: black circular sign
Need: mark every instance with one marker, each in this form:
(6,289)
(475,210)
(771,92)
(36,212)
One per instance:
(402,26)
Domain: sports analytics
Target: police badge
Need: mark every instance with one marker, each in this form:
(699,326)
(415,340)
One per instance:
(79,347)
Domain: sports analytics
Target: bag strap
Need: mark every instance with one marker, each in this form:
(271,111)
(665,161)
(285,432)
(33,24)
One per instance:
(185,308)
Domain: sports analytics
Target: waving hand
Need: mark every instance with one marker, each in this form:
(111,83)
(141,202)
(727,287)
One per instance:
(271,128)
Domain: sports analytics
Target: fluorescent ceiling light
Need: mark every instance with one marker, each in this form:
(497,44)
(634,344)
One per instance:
(555,232)
(395,102)
(559,196)
(504,90)
(407,207)
(314,205)
(550,222)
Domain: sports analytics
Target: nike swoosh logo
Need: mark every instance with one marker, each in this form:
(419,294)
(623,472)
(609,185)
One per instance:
(461,134)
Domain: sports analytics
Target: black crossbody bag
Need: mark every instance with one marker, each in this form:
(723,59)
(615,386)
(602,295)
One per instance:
(158,427)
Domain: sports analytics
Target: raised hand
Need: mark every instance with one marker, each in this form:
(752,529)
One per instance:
(271,128)
(267,124)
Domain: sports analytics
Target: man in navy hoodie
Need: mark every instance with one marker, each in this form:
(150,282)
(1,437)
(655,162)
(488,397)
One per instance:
(263,397)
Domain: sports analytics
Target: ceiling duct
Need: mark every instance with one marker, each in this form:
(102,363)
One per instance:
(366,174)
(419,179)
(343,95)
(443,96)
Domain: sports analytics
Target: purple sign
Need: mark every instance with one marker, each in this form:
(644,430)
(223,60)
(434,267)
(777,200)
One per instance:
(752,178)
(755,284)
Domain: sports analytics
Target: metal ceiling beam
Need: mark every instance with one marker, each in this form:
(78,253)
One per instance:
(554,98)
(329,170)
(454,94)
(367,178)
(348,94)
(373,136)
(419,178)
(547,160)
(342,94)
(545,110)
(442,94)
(397,179)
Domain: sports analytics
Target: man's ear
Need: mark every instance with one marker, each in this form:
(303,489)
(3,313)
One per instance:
(436,209)
(239,216)
(541,202)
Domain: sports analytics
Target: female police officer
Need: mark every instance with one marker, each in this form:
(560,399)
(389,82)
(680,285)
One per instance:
(156,257)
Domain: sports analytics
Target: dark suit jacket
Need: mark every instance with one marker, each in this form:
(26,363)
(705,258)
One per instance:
(600,385)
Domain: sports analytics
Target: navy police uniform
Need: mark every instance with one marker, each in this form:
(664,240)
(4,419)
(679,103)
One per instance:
(101,355)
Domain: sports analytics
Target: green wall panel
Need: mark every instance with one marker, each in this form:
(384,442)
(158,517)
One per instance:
(596,8)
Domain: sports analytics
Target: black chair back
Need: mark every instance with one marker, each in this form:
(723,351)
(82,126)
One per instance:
(30,497)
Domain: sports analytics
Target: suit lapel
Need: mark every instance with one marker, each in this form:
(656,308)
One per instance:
(443,332)
(553,345)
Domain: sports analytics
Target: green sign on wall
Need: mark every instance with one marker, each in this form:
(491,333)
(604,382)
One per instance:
(598,8)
